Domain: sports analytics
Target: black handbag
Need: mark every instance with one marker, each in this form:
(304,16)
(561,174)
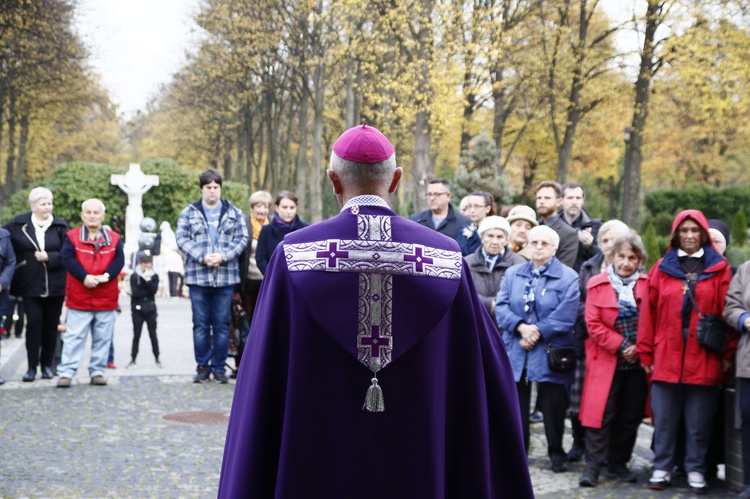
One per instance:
(561,359)
(711,330)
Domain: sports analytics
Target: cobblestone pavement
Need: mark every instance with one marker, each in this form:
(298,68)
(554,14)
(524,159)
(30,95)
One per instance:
(91,442)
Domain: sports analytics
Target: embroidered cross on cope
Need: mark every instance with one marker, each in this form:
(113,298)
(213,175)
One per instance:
(376,258)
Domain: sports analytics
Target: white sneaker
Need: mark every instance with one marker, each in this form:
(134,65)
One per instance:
(659,480)
(697,482)
(131,365)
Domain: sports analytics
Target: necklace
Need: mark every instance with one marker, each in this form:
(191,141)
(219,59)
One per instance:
(690,274)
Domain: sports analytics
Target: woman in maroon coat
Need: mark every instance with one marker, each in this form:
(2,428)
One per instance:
(614,389)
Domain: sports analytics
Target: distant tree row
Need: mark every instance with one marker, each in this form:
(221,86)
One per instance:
(549,84)
(272,84)
(51,108)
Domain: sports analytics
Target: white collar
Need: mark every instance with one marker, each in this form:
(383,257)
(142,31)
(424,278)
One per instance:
(365,200)
(697,254)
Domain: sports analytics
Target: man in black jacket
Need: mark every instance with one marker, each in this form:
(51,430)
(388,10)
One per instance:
(548,200)
(441,216)
(573,213)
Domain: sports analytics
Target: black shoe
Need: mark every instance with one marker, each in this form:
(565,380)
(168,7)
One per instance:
(233,375)
(221,378)
(202,375)
(589,478)
(47,373)
(620,472)
(536,417)
(2,381)
(30,374)
(575,454)
(559,467)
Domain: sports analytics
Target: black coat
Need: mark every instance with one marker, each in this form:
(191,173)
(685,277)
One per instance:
(450,226)
(271,236)
(33,278)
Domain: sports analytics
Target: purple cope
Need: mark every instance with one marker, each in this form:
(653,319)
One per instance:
(370,292)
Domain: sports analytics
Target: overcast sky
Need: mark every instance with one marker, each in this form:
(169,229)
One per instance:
(136,45)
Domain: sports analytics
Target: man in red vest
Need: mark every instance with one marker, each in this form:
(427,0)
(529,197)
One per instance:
(93,257)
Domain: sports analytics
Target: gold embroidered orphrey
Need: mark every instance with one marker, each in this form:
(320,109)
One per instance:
(376,258)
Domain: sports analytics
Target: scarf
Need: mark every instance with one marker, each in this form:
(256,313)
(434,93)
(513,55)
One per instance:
(256,226)
(40,228)
(624,288)
(528,294)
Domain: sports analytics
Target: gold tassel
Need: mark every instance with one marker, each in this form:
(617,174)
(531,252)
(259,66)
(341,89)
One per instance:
(374,399)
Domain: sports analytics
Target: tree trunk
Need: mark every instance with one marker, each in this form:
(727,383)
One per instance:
(316,180)
(302,164)
(422,169)
(11,160)
(271,138)
(247,129)
(632,174)
(23,141)
(565,150)
(350,116)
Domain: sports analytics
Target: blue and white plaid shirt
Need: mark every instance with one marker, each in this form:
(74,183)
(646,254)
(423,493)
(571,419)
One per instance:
(194,241)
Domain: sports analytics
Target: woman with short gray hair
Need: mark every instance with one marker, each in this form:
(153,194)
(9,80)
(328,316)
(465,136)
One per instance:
(37,238)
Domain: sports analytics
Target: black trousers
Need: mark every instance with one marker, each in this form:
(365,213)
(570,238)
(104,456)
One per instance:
(139,317)
(622,417)
(553,402)
(42,318)
(175,283)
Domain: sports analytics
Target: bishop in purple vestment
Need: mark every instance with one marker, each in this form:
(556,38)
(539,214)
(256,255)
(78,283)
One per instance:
(372,369)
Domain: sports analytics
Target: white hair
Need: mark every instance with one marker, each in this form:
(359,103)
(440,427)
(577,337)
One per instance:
(38,193)
(101,203)
(617,225)
(358,173)
(546,231)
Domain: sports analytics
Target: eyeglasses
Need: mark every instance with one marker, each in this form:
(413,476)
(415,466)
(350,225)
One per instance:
(475,206)
(543,244)
(434,194)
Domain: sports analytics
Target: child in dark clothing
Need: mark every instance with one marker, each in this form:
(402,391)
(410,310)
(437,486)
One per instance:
(143,285)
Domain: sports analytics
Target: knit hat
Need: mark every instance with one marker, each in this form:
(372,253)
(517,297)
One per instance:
(721,226)
(522,212)
(494,222)
(363,144)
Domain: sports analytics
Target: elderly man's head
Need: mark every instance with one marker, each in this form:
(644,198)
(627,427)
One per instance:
(363,161)
(92,214)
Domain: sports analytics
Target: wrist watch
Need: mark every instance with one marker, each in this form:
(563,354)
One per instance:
(106,275)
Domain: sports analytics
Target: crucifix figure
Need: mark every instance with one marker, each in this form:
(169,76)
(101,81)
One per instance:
(135,183)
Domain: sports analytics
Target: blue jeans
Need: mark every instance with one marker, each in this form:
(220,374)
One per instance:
(212,309)
(102,325)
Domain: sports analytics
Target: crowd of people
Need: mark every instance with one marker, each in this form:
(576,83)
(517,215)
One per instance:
(586,327)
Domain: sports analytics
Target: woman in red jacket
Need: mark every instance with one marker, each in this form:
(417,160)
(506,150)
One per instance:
(685,376)
(614,389)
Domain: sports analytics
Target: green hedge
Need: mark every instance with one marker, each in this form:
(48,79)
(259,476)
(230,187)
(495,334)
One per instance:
(721,203)
(73,183)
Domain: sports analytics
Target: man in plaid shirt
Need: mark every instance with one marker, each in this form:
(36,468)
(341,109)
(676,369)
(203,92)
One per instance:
(212,234)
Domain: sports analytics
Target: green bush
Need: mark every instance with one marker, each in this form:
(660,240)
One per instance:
(712,201)
(737,255)
(73,183)
(651,242)
(739,228)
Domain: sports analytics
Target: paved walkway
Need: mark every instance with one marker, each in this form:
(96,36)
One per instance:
(113,441)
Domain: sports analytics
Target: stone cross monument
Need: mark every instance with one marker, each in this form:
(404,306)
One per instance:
(135,183)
